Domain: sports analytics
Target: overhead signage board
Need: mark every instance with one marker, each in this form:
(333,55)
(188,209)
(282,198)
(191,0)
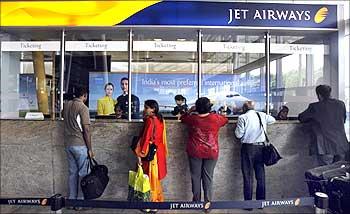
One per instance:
(236,14)
(97,46)
(30,46)
(236,47)
(167,13)
(165,46)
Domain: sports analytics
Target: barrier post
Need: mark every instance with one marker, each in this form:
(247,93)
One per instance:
(321,203)
(57,202)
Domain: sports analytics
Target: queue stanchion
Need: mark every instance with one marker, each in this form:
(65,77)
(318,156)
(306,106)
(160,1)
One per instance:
(57,202)
(321,203)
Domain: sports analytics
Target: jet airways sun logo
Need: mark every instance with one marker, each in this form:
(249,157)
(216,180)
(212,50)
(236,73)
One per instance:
(321,15)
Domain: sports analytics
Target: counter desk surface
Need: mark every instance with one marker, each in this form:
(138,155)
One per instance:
(33,160)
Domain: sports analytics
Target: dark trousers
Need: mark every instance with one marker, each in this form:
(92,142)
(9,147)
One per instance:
(252,158)
(202,171)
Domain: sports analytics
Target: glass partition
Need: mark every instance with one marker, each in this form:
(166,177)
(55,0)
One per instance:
(165,65)
(29,80)
(298,65)
(98,60)
(233,69)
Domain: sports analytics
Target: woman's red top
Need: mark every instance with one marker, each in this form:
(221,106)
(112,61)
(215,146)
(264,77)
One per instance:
(203,134)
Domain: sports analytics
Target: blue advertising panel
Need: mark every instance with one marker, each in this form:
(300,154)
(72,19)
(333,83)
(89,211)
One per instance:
(221,89)
(236,14)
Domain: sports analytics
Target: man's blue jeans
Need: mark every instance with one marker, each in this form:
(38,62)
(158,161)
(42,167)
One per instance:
(78,168)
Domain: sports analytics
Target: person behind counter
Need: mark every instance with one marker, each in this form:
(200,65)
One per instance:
(202,146)
(181,106)
(153,131)
(121,108)
(105,105)
(283,113)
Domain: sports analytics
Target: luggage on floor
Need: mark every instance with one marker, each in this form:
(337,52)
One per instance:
(339,194)
(317,178)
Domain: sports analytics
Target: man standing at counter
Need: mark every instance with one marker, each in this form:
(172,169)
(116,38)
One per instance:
(252,137)
(77,140)
(121,108)
(327,118)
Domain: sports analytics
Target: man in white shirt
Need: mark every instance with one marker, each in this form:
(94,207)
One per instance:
(252,137)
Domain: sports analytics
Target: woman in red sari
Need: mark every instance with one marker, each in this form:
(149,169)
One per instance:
(153,132)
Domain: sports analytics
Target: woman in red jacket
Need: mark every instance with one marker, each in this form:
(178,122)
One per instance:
(202,147)
(153,132)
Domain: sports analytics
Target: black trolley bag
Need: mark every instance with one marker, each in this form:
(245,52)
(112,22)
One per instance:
(339,194)
(318,178)
(94,184)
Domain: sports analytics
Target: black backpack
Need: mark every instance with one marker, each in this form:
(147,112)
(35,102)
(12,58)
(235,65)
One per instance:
(94,184)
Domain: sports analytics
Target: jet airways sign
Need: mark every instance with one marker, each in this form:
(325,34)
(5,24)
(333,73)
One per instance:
(236,14)
(278,15)
(229,14)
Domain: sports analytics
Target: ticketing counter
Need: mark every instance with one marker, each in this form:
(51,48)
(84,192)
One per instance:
(231,52)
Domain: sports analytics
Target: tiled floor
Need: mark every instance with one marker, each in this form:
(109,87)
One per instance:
(35,209)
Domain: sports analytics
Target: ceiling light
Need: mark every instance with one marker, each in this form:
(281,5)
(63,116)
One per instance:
(157,40)
(181,40)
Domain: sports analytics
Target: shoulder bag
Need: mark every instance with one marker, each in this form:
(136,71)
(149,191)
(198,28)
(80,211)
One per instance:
(270,153)
(152,147)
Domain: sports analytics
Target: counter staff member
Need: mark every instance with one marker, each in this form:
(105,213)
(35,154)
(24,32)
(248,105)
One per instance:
(327,118)
(77,140)
(252,137)
(121,108)
(105,105)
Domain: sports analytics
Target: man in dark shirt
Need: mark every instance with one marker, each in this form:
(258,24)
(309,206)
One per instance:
(327,118)
(121,108)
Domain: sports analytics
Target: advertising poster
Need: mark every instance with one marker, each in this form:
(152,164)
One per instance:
(221,89)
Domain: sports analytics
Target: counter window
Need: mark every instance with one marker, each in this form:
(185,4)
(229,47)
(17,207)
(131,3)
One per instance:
(233,70)
(29,80)
(97,60)
(165,65)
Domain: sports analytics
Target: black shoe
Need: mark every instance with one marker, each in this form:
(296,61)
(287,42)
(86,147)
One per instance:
(248,209)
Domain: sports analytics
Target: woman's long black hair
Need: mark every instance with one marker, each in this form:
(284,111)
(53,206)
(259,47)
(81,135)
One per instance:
(154,105)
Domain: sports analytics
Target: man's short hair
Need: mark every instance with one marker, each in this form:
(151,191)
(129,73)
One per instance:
(203,105)
(124,78)
(248,105)
(80,91)
(324,91)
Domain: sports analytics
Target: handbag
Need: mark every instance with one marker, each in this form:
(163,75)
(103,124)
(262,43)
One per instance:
(94,184)
(150,151)
(270,153)
(139,186)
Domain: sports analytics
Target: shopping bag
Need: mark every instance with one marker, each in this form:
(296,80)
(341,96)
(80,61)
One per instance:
(139,186)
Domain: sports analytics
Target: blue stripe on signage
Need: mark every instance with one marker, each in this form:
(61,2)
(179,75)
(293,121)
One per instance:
(236,14)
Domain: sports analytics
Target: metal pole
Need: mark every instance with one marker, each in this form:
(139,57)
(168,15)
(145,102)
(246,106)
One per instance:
(199,73)
(62,71)
(129,73)
(267,73)
(321,203)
